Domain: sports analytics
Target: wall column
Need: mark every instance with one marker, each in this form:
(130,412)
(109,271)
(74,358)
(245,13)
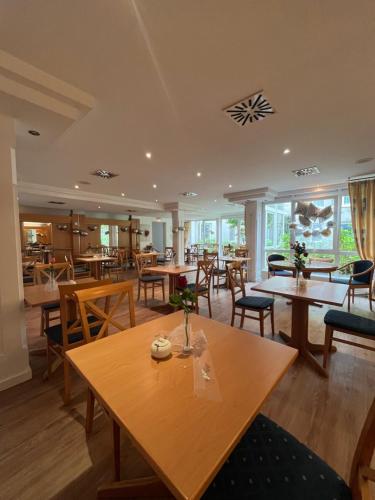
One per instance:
(178,220)
(14,357)
(253,225)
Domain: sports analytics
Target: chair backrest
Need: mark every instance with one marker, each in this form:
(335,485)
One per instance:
(120,292)
(142,261)
(69,313)
(361,266)
(227,249)
(60,271)
(169,253)
(235,280)
(361,470)
(241,252)
(204,274)
(272,258)
(212,257)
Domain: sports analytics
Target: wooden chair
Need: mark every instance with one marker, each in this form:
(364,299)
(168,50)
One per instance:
(262,305)
(217,272)
(77,270)
(202,285)
(43,274)
(68,334)
(170,254)
(277,272)
(361,278)
(28,272)
(345,322)
(115,267)
(269,463)
(244,253)
(146,280)
(105,317)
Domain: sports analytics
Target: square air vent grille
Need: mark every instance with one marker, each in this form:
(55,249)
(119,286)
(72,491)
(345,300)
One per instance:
(250,110)
(104,174)
(57,202)
(189,194)
(306,171)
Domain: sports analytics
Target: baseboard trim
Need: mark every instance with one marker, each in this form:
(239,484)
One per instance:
(16,379)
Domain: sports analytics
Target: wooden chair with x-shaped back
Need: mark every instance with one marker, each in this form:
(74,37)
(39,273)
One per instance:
(107,316)
(202,284)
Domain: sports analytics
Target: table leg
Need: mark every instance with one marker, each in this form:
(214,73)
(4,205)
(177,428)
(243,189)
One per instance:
(172,284)
(299,335)
(145,487)
(116,449)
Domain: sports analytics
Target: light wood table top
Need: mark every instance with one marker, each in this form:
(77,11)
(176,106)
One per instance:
(322,292)
(184,425)
(312,267)
(173,269)
(95,258)
(40,295)
(227,258)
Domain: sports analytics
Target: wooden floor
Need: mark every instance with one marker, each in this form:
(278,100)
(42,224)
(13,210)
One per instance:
(43,448)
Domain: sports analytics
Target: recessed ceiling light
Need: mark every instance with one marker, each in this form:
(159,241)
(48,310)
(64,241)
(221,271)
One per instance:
(148,155)
(156,201)
(215,201)
(286,151)
(306,171)
(154,186)
(230,185)
(76,186)
(122,194)
(199,174)
(34,133)
(99,206)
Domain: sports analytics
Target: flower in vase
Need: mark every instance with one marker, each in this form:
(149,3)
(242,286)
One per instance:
(184,301)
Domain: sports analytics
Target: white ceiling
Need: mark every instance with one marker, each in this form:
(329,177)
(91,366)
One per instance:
(161,73)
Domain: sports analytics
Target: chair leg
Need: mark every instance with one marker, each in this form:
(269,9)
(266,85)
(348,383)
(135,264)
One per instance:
(349,293)
(327,345)
(139,291)
(197,306)
(353,295)
(261,323)
(163,290)
(145,288)
(90,411)
(42,323)
(153,291)
(370,296)
(242,318)
(66,381)
(272,321)
(209,306)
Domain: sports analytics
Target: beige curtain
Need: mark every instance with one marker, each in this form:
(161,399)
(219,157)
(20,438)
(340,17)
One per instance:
(362,199)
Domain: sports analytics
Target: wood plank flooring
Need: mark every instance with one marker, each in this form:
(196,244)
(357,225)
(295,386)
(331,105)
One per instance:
(44,453)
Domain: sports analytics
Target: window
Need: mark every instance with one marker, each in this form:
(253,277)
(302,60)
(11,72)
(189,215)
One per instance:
(233,231)
(203,232)
(347,246)
(109,235)
(277,233)
(104,235)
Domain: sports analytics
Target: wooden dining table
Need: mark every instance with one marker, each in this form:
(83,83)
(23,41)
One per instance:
(302,296)
(187,413)
(95,263)
(173,271)
(44,294)
(310,267)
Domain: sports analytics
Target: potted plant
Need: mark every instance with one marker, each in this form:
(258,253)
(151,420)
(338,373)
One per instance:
(299,258)
(184,301)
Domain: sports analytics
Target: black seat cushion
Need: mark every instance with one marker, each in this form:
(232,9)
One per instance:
(349,321)
(217,271)
(80,269)
(52,306)
(193,288)
(271,464)
(28,279)
(345,280)
(254,302)
(281,272)
(54,333)
(150,277)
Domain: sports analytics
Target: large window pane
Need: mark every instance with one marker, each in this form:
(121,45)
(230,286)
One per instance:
(203,232)
(346,239)
(233,231)
(104,235)
(319,234)
(277,233)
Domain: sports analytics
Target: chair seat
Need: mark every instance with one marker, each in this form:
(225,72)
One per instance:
(282,272)
(80,269)
(253,302)
(51,307)
(193,288)
(219,272)
(55,334)
(28,279)
(269,464)
(349,321)
(150,278)
(345,280)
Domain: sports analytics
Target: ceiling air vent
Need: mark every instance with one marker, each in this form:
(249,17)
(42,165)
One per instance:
(250,109)
(189,194)
(306,171)
(104,174)
(57,202)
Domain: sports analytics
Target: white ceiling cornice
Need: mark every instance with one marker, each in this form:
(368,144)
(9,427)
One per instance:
(263,193)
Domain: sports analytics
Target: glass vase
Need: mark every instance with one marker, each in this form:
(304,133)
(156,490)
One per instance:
(187,330)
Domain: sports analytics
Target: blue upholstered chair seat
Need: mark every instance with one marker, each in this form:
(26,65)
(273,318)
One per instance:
(151,277)
(193,288)
(253,302)
(269,464)
(54,333)
(52,306)
(345,280)
(352,322)
(282,272)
